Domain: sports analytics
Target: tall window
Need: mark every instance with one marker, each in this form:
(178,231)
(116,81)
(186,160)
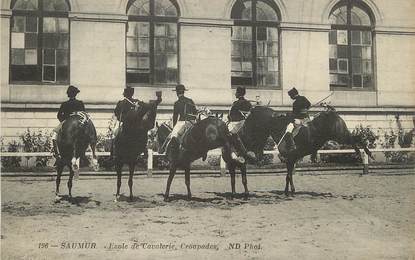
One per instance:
(255,43)
(152,42)
(39,50)
(351,47)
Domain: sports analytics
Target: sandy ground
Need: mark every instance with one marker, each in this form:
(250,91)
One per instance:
(330,217)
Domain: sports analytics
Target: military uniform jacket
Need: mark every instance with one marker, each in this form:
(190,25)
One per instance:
(240,105)
(69,107)
(183,110)
(123,106)
(300,107)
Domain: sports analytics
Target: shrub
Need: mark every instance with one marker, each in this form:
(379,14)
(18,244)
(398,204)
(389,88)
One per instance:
(10,162)
(37,141)
(389,140)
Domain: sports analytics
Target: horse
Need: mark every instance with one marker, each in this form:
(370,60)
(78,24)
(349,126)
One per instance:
(263,122)
(206,134)
(131,140)
(326,125)
(77,133)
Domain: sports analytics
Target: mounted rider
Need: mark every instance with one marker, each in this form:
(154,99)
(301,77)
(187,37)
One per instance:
(237,116)
(301,106)
(66,109)
(124,106)
(184,116)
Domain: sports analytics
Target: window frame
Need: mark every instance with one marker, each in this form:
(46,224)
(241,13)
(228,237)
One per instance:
(254,24)
(349,27)
(152,19)
(40,14)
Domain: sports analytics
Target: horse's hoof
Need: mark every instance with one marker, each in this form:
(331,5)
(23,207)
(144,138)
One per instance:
(117,198)
(287,193)
(167,199)
(189,197)
(57,199)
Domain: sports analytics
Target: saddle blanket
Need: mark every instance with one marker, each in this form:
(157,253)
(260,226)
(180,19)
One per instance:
(83,116)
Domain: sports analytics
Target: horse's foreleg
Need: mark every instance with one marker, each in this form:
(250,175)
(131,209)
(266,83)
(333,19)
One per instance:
(244,181)
(231,168)
(288,179)
(130,179)
(71,173)
(187,181)
(169,181)
(94,160)
(118,168)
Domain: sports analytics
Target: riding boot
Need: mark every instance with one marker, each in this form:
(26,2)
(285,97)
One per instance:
(55,151)
(290,142)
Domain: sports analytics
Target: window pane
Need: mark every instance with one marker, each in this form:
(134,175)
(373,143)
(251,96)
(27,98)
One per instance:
(160,61)
(272,34)
(49,73)
(49,56)
(132,45)
(160,76)
(171,45)
(272,49)
(143,45)
(132,29)
(333,37)
(160,45)
(18,56)
(132,62)
(356,51)
(164,8)
(236,64)
(246,66)
(171,30)
(62,74)
(261,48)
(367,67)
(55,5)
(50,40)
(343,79)
(339,16)
(261,33)
(140,7)
(265,12)
(357,66)
(271,79)
(31,57)
(356,38)
(25,73)
(366,52)
(143,62)
(359,17)
(62,25)
(62,57)
(333,65)
(343,65)
(171,76)
(242,10)
(160,30)
(342,37)
(63,41)
(134,77)
(357,81)
(272,64)
(342,51)
(367,38)
(18,23)
(30,40)
(333,51)
(49,25)
(333,79)
(25,5)
(18,40)
(143,29)
(367,81)
(31,24)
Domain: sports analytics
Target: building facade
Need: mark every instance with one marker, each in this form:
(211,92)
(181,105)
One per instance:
(359,51)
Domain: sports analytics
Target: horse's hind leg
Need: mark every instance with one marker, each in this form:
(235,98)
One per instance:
(169,181)
(118,168)
(71,173)
(187,181)
(231,168)
(244,181)
(59,170)
(130,179)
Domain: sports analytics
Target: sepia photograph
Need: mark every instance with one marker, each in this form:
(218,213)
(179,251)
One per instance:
(207,129)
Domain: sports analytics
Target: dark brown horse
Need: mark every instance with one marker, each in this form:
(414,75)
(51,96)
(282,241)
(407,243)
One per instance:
(207,134)
(264,122)
(131,140)
(327,125)
(77,133)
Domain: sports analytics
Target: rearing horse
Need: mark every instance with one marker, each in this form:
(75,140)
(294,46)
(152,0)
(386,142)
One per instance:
(77,133)
(131,140)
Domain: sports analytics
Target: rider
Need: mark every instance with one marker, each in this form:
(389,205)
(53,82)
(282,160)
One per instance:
(301,106)
(125,105)
(237,115)
(65,110)
(184,114)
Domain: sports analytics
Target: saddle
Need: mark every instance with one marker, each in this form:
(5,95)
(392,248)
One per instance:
(83,116)
(302,123)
